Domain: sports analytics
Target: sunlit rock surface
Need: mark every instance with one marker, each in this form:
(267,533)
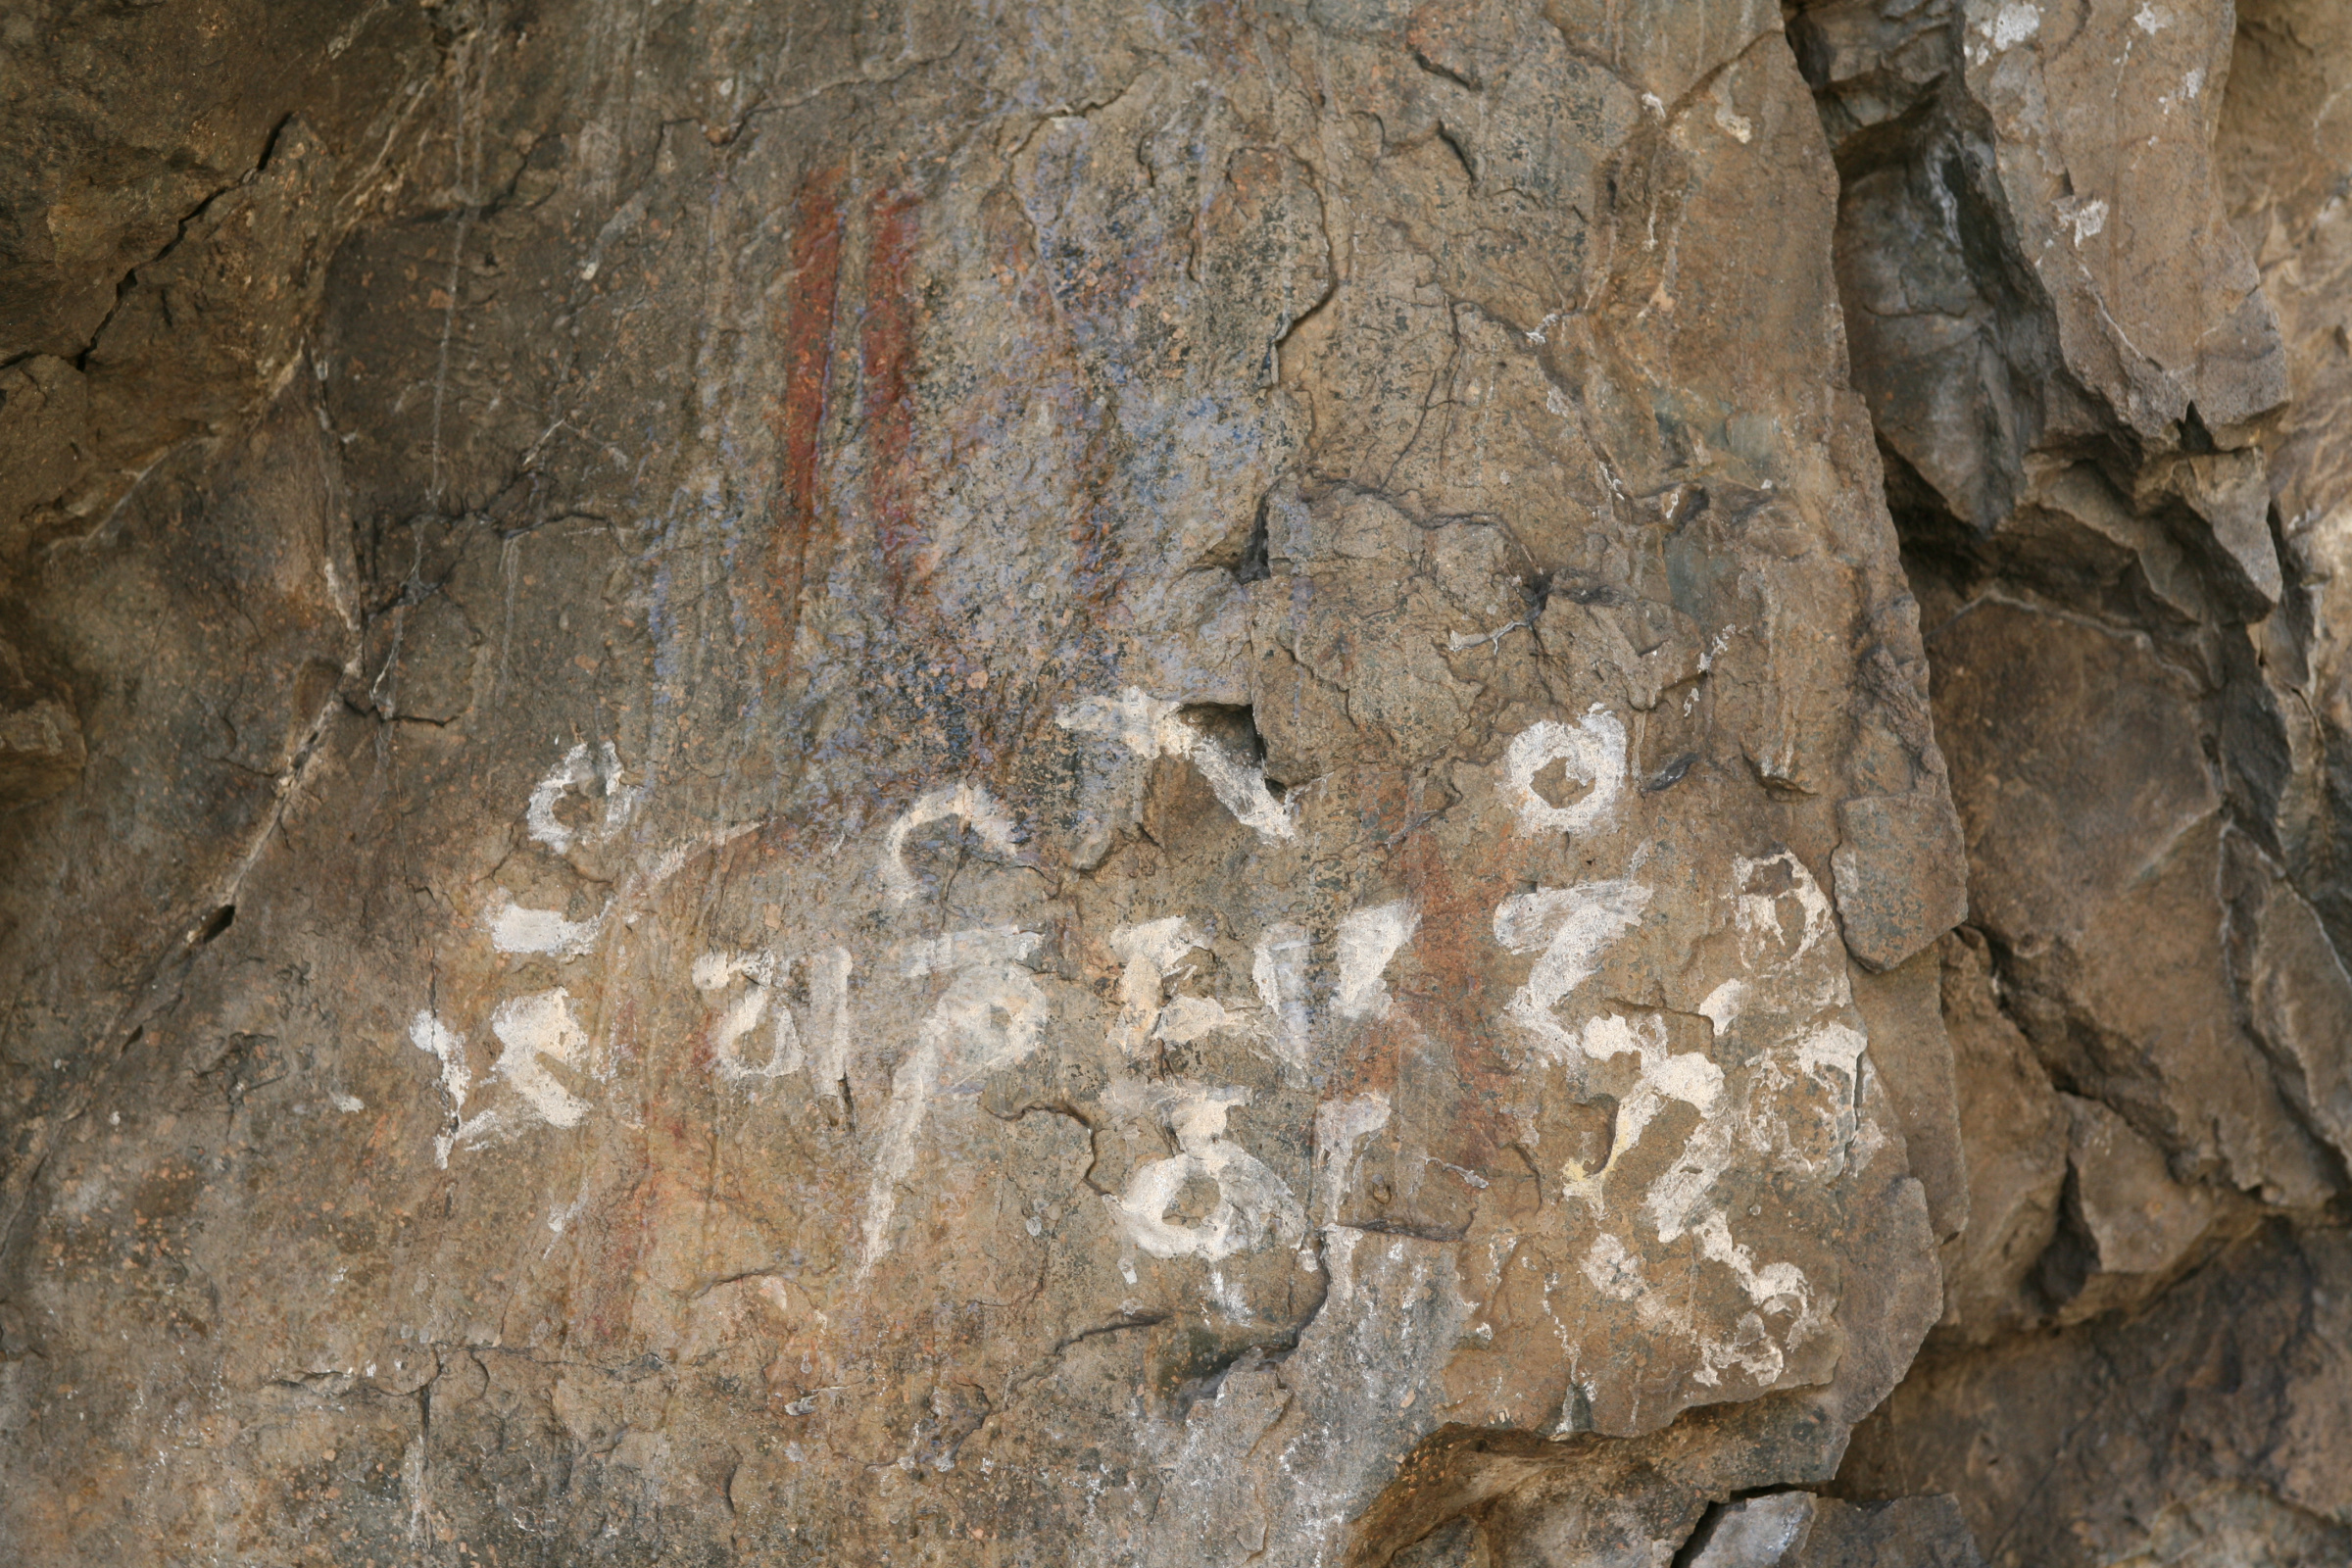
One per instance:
(1142,785)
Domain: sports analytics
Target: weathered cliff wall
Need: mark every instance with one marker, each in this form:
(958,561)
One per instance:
(1343,783)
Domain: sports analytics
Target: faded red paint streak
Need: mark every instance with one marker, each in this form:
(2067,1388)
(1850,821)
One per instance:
(1092,531)
(797,418)
(1447,1003)
(1456,897)
(614,1244)
(887,359)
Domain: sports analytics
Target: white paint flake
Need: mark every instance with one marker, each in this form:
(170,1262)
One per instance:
(1242,790)
(1615,1271)
(1790,1002)
(1135,719)
(1340,1125)
(1722,1005)
(1834,1045)
(1769,949)
(1188,1019)
(1149,726)
(1689,1076)
(1612,1270)
(536,1029)
(1152,953)
(1591,753)
(437,1039)
(1790,967)
(1675,1199)
(2085,217)
(968,802)
(2015,22)
(828,973)
(1776,1287)
(514,928)
(743,1015)
(1367,940)
(1775,1284)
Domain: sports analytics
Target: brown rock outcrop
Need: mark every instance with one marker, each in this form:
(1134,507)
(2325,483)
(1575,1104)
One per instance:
(789,784)
(2078,255)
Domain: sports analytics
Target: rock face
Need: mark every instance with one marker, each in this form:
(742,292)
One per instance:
(2086,260)
(1142,786)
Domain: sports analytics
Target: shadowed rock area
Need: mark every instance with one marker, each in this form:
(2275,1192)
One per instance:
(1479,785)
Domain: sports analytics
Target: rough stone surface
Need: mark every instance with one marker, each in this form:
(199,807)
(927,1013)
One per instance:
(1897,866)
(2084,256)
(1903,1012)
(2209,1428)
(2014,1134)
(1802,1531)
(41,751)
(1342,783)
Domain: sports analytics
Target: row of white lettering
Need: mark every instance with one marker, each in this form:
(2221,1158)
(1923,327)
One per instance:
(991,1009)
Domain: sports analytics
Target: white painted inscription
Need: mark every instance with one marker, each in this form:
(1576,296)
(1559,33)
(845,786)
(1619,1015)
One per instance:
(576,770)
(978,811)
(1253,1206)
(1570,928)
(989,1016)
(1148,727)
(826,973)
(1591,753)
